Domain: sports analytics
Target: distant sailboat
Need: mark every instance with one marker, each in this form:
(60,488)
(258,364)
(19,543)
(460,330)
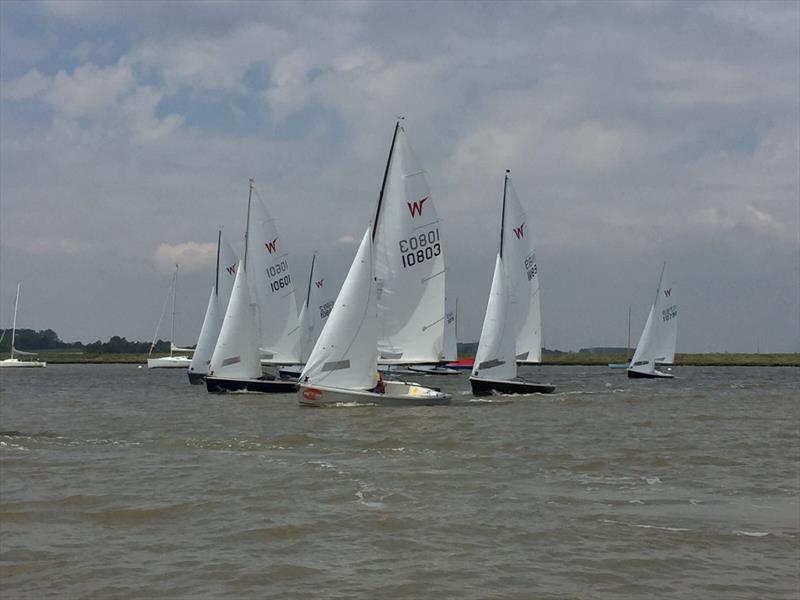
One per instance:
(12,361)
(313,314)
(235,363)
(657,343)
(225,275)
(512,317)
(173,361)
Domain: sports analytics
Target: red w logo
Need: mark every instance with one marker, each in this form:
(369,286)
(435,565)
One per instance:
(668,292)
(416,207)
(319,283)
(231,270)
(271,246)
(520,231)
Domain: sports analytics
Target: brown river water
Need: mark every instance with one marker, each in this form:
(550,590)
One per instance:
(118,482)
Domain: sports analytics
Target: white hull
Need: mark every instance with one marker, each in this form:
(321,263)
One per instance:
(16,363)
(434,370)
(397,393)
(169,362)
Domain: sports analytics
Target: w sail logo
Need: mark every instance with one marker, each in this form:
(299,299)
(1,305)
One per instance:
(319,283)
(668,292)
(520,231)
(272,246)
(416,207)
(231,270)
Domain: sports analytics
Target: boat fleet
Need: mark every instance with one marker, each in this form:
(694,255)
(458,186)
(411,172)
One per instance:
(391,316)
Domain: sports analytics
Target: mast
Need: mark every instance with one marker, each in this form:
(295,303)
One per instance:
(247,225)
(385,176)
(174,293)
(310,277)
(14,325)
(216,274)
(660,277)
(503,214)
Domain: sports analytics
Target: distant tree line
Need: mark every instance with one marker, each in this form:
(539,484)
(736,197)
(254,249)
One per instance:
(47,339)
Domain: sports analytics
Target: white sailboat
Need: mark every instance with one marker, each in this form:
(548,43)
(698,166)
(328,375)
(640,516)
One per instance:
(235,363)
(173,361)
(273,289)
(225,275)
(12,361)
(512,321)
(314,312)
(409,263)
(342,368)
(449,350)
(657,343)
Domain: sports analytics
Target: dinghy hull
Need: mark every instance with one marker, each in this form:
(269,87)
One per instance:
(434,370)
(484,387)
(169,362)
(196,378)
(648,374)
(221,385)
(397,393)
(13,363)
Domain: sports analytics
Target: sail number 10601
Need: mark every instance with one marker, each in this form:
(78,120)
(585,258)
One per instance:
(419,248)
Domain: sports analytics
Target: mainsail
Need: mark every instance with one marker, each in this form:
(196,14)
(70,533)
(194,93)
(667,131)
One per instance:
(409,262)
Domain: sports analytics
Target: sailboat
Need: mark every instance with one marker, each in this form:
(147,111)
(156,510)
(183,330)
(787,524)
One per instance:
(409,264)
(627,347)
(512,317)
(656,345)
(12,361)
(342,367)
(235,364)
(173,361)
(450,348)
(272,288)
(225,274)
(313,314)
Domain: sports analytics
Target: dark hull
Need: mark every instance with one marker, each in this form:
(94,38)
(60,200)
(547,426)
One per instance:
(652,375)
(219,385)
(196,378)
(293,374)
(484,387)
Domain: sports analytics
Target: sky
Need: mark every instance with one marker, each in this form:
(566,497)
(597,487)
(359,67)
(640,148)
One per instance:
(636,133)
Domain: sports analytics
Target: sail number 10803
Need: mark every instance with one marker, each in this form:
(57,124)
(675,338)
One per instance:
(419,248)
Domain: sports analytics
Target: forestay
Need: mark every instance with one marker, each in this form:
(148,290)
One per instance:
(519,260)
(217,306)
(236,353)
(345,353)
(495,358)
(409,263)
(273,289)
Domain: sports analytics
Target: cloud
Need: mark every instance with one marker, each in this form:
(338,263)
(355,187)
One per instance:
(190,256)
(347,239)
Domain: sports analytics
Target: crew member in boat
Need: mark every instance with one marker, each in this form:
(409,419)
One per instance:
(380,387)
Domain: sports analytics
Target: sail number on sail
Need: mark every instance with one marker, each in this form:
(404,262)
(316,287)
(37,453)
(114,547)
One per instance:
(530,265)
(325,309)
(419,248)
(669,313)
(274,271)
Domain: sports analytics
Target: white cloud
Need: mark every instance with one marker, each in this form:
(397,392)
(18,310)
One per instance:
(347,239)
(190,256)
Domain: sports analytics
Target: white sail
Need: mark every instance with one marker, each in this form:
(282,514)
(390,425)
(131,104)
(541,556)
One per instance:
(519,258)
(450,351)
(409,263)
(345,353)
(273,289)
(215,311)
(496,355)
(316,308)
(236,353)
(657,342)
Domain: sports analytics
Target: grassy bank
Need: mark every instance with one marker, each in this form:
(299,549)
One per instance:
(722,359)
